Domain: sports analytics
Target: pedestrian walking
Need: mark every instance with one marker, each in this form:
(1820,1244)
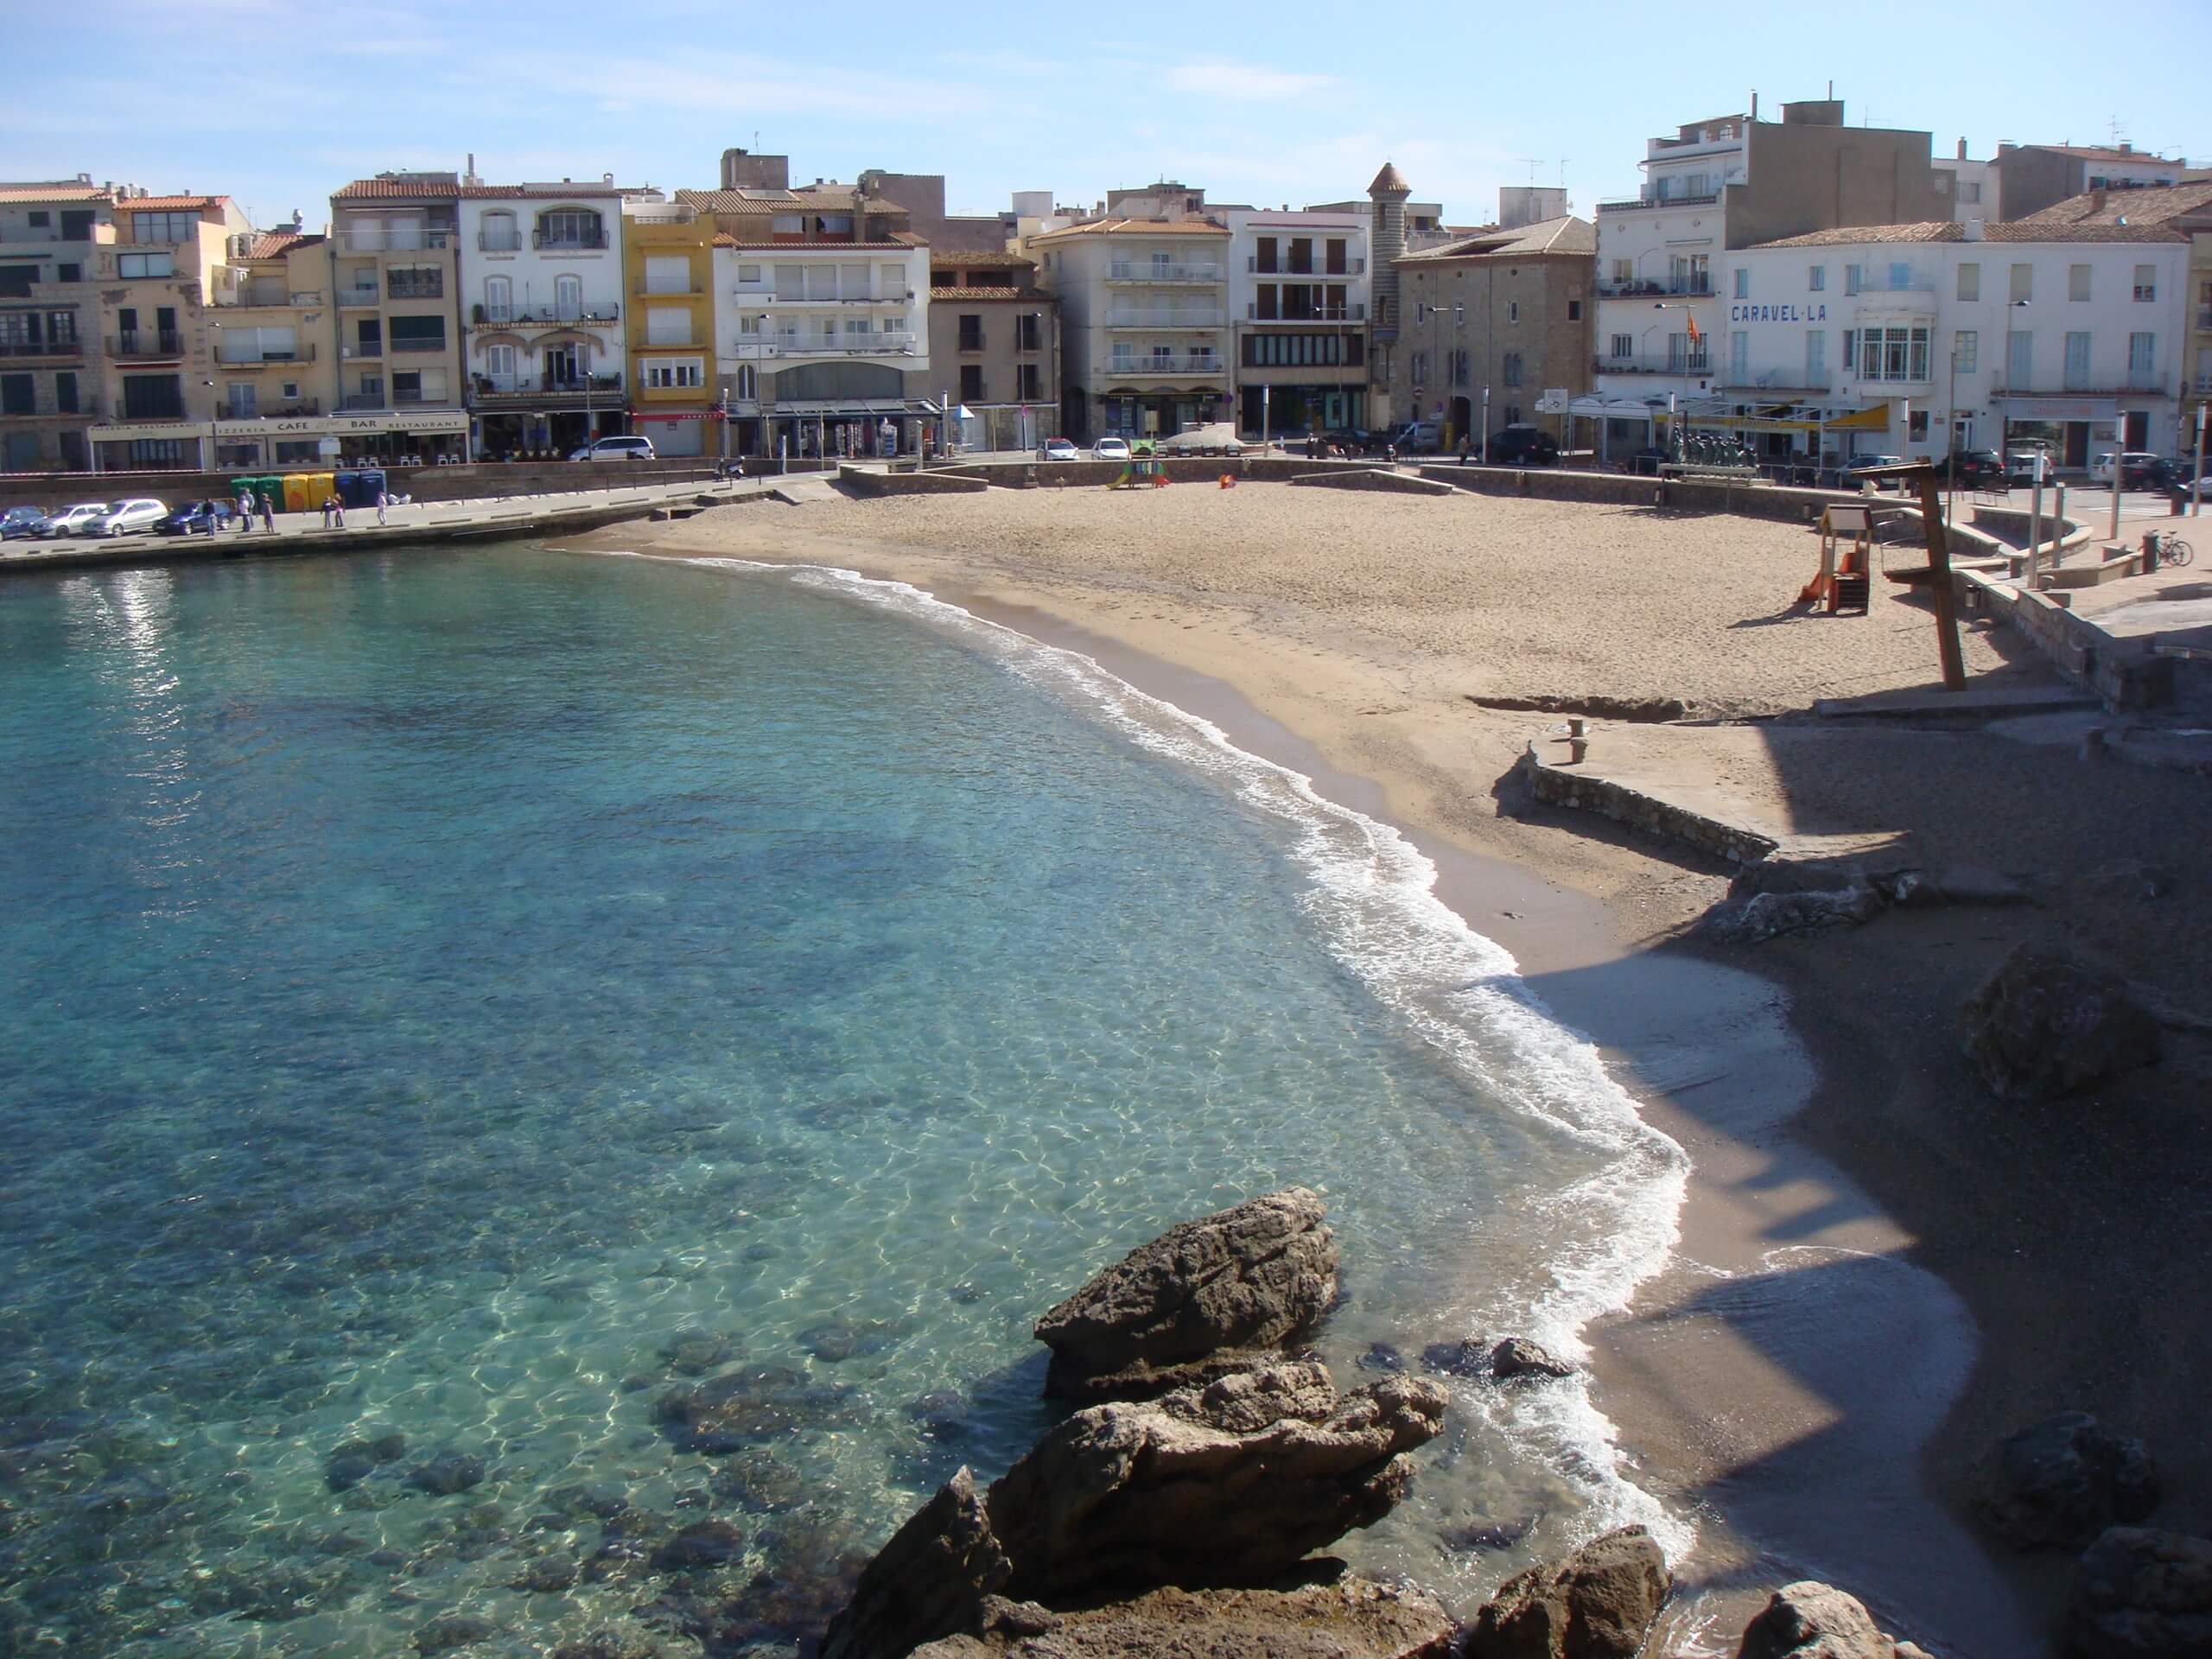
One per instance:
(383,500)
(208,508)
(330,507)
(244,507)
(267,513)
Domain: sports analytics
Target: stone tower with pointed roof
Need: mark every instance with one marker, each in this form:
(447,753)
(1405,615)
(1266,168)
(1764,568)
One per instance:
(1386,241)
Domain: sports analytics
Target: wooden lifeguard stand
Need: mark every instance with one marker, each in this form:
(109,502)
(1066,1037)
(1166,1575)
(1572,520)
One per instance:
(1847,557)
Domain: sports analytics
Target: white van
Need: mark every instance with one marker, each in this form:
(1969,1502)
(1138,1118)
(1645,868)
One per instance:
(617,450)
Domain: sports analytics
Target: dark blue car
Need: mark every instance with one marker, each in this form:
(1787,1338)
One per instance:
(19,521)
(192,519)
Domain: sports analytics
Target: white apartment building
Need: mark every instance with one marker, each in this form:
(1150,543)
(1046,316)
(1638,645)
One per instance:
(1877,339)
(1143,323)
(822,346)
(541,314)
(1297,285)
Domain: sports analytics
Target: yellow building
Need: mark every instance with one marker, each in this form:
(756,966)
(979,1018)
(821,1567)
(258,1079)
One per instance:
(667,276)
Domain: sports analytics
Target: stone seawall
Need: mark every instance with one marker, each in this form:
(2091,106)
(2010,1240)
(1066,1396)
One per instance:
(1377,478)
(1667,820)
(862,481)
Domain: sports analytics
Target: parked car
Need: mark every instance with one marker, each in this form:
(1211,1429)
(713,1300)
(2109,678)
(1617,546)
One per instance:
(1848,476)
(142,512)
(2180,473)
(1110,449)
(2136,468)
(626,449)
(2020,466)
(1219,439)
(1058,449)
(194,517)
(80,519)
(1650,459)
(1522,446)
(1973,467)
(18,523)
(1415,437)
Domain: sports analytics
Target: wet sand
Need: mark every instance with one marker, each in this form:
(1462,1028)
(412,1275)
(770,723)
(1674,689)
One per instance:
(1841,1336)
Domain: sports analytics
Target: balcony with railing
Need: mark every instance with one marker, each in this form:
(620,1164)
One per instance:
(147,345)
(370,349)
(359,296)
(507,241)
(1165,316)
(492,389)
(415,343)
(2205,316)
(415,240)
(1122,271)
(1699,363)
(880,342)
(230,357)
(1770,380)
(1698,286)
(568,241)
(416,285)
(1353,313)
(10,348)
(582,314)
(1636,204)
(286,411)
(1285,268)
(353,400)
(260,296)
(1167,363)
(679,291)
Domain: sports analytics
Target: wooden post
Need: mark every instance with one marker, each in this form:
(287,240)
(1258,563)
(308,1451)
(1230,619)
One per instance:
(1939,566)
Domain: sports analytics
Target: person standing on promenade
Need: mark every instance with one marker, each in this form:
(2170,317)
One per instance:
(246,510)
(267,513)
(383,500)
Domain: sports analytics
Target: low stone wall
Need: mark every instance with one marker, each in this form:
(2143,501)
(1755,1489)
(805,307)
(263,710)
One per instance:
(1080,474)
(1788,503)
(2120,673)
(861,481)
(1375,478)
(1592,792)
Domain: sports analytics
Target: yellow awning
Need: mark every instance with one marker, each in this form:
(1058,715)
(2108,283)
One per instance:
(1873,418)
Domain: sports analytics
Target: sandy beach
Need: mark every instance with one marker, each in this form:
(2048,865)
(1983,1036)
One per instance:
(1883,1269)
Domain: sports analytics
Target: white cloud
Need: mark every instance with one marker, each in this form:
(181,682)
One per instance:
(1247,82)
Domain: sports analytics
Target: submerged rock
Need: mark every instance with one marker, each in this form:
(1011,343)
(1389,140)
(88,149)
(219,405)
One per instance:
(1518,1356)
(1204,1299)
(726,1413)
(2061,1483)
(355,1460)
(447,1473)
(1599,1603)
(544,1574)
(1381,1356)
(839,1340)
(703,1543)
(2139,1593)
(2045,1024)
(1465,1358)
(755,1479)
(454,1630)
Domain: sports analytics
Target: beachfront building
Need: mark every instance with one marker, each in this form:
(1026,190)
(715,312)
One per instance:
(1732,182)
(821,307)
(668,269)
(995,337)
(1143,315)
(1882,340)
(157,282)
(2032,177)
(276,358)
(51,236)
(1298,299)
(540,313)
(395,281)
(1490,320)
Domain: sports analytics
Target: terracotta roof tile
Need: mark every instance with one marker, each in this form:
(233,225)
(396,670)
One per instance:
(968,295)
(61,190)
(2106,153)
(1945,230)
(2159,205)
(398,190)
(1135,227)
(169,203)
(1924,231)
(1566,235)
(275,244)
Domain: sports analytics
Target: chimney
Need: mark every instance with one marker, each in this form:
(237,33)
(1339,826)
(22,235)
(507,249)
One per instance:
(607,178)
(1962,149)
(1755,103)
(2097,200)
(2127,147)
(1973,229)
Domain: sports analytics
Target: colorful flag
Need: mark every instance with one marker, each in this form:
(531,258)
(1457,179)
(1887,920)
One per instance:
(1692,331)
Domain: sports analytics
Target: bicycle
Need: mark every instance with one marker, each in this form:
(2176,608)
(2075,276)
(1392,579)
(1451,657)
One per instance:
(2169,549)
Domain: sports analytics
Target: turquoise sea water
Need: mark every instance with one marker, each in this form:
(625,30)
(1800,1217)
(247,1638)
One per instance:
(467,997)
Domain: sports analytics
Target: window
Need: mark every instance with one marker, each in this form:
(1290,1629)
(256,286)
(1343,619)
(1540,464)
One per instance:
(1817,357)
(748,384)
(1966,347)
(567,297)
(1623,272)
(1574,310)
(789,225)
(151,230)
(1624,346)
(418,333)
(18,394)
(498,300)
(1513,310)
(1816,279)
(65,392)
(62,327)
(672,373)
(292,391)
(39,218)
(668,325)
(1916,426)
(2142,353)
(368,336)
(157,452)
(1855,278)
(1898,352)
(145,264)
(1512,368)
(1030,383)
(76,224)
(570,227)
(971,382)
(417,282)
(667,273)
(1025,333)
(153,397)
(238,397)
(852,282)
(1420,368)
(2077,360)
(1900,274)
(2077,283)
(2146,282)
(1969,190)
(1969,281)
(2019,360)
(1743,282)
(2023,282)
(1459,314)
(971,331)
(70,273)
(371,388)
(1512,414)
(1739,356)
(1850,350)
(298,449)
(498,234)
(749,275)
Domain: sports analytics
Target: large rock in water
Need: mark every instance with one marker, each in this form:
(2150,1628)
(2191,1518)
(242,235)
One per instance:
(1807,1620)
(1226,1485)
(1345,1618)
(2061,1483)
(930,1580)
(1204,1299)
(1599,1603)
(2140,1593)
(2045,1024)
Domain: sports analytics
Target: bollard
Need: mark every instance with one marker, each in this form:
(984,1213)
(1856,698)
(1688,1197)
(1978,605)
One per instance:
(1578,750)
(1577,726)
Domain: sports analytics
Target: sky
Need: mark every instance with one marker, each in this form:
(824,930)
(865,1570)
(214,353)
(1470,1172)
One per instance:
(277,104)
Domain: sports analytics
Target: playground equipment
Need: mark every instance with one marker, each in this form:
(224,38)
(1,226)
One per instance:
(1934,575)
(1842,581)
(1141,472)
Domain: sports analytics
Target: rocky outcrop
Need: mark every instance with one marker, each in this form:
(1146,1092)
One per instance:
(1518,1356)
(2140,1593)
(2045,1024)
(1814,1621)
(1228,1484)
(1345,1618)
(2059,1484)
(1599,1603)
(1204,1299)
(929,1581)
